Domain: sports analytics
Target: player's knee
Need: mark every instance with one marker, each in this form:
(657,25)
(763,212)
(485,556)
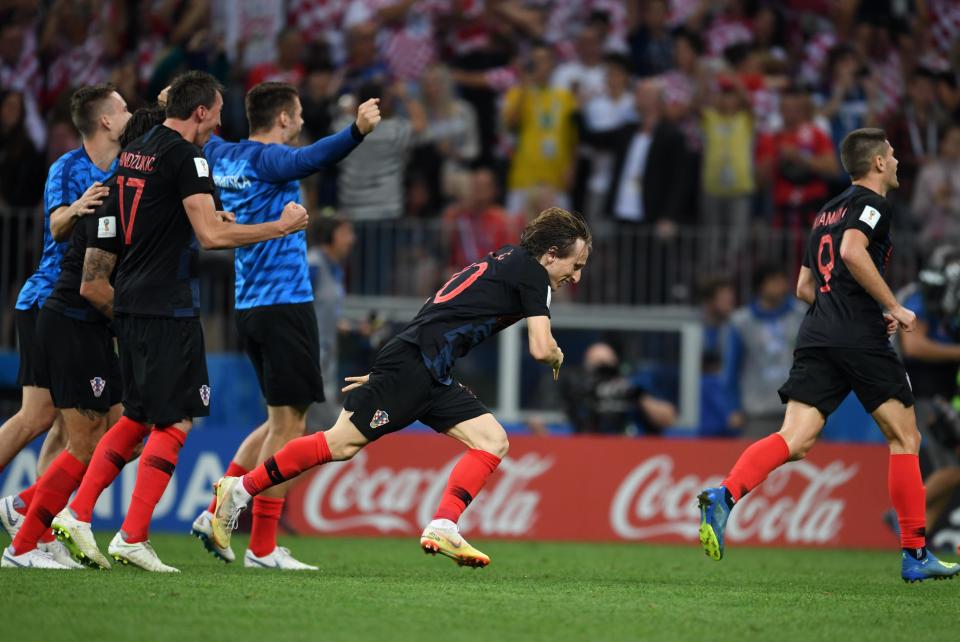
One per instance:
(909,441)
(344,451)
(497,445)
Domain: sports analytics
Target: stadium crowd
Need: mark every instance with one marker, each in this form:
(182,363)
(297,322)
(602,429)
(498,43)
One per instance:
(671,124)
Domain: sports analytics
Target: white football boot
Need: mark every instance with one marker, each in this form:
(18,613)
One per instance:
(203,530)
(9,517)
(140,554)
(60,553)
(31,559)
(280,559)
(78,538)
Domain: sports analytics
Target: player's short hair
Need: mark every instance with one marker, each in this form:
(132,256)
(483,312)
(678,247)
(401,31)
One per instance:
(859,148)
(556,228)
(142,121)
(86,104)
(265,102)
(189,91)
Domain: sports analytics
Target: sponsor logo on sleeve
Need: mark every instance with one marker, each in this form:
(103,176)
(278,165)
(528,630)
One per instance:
(107,227)
(203,170)
(870,216)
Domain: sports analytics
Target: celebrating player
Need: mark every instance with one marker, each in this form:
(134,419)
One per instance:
(412,378)
(73,189)
(165,205)
(275,316)
(843,345)
(77,357)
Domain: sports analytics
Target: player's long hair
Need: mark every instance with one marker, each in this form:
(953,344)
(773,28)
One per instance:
(555,228)
(142,121)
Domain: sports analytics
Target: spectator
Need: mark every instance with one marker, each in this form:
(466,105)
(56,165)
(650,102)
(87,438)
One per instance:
(601,399)
(542,118)
(22,167)
(718,300)
(759,350)
(19,62)
(650,44)
(936,197)
(477,225)
(333,241)
(718,416)
(728,173)
(364,64)
(845,97)
(286,67)
(584,74)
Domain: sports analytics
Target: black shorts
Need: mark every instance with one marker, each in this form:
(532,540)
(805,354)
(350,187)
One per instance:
(823,377)
(26,324)
(283,344)
(163,363)
(401,391)
(79,361)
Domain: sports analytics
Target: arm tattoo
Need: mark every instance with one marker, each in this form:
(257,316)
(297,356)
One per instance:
(98,264)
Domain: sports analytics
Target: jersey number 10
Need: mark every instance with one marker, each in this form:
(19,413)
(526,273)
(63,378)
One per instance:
(447,293)
(138,184)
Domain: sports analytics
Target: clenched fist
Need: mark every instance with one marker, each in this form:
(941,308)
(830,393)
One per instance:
(368,115)
(293,218)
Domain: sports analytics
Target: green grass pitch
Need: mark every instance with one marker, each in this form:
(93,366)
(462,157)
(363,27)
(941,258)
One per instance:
(387,589)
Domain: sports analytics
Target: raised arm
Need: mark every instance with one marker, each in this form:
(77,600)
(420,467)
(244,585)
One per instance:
(215,230)
(95,283)
(853,251)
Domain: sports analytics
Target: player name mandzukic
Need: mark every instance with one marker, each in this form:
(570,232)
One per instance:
(138,162)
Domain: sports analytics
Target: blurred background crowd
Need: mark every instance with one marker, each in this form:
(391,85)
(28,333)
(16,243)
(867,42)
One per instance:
(698,138)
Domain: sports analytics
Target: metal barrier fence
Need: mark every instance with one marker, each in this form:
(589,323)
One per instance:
(630,265)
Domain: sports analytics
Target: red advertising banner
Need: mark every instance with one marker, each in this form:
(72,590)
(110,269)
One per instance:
(596,488)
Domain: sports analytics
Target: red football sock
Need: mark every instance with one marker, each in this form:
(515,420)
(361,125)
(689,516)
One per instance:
(26,496)
(909,499)
(466,480)
(755,463)
(157,463)
(111,455)
(266,517)
(233,470)
(53,491)
(297,456)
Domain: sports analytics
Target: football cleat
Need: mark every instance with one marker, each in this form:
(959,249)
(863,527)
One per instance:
(929,568)
(139,554)
(78,538)
(203,530)
(280,559)
(713,520)
(447,541)
(60,553)
(31,559)
(9,517)
(230,501)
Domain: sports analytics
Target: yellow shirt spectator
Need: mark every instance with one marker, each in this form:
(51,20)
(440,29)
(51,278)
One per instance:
(727,153)
(546,136)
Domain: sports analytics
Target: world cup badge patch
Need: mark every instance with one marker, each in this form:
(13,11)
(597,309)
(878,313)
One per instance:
(380,418)
(98,384)
(205,394)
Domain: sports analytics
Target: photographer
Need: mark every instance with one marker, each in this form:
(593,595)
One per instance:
(600,399)
(931,355)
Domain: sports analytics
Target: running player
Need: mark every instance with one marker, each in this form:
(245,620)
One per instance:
(76,355)
(274,299)
(843,345)
(165,206)
(412,378)
(73,190)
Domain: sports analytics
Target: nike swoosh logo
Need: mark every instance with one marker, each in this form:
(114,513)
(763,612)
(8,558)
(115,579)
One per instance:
(12,518)
(16,563)
(259,563)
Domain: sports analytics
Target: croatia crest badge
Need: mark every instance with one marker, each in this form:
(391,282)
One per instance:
(205,394)
(98,384)
(380,418)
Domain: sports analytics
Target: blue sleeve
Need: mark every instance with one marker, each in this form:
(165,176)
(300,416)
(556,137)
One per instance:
(59,187)
(281,164)
(731,367)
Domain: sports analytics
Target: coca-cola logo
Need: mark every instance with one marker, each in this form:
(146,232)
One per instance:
(652,501)
(353,495)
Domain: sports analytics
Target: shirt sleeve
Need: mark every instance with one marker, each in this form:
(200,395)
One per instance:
(193,174)
(534,289)
(104,227)
(281,164)
(870,216)
(58,189)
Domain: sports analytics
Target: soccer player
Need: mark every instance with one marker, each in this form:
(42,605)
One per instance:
(842,345)
(274,299)
(73,189)
(412,378)
(77,357)
(166,211)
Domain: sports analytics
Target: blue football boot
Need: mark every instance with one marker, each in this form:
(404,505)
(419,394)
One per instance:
(929,568)
(714,512)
